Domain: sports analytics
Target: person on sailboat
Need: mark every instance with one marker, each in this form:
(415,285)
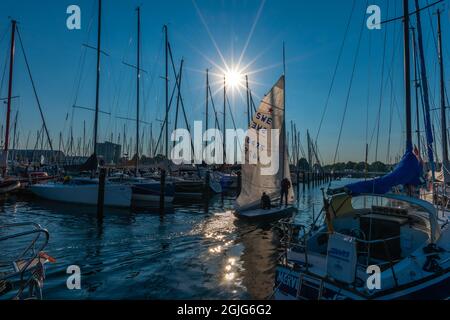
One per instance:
(265,202)
(285,186)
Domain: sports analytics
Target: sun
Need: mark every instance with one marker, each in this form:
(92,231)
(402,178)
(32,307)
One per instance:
(234,78)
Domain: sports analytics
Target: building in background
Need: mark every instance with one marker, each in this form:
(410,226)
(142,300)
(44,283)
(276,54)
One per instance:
(109,152)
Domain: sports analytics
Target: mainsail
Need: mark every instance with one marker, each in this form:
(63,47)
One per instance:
(269,116)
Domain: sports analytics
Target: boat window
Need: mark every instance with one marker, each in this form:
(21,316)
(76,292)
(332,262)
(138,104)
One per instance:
(385,205)
(367,202)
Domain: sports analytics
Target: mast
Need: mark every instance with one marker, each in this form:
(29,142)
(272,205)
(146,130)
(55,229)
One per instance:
(407,74)
(97,86)
(167,91)
(10,82)
(59,146)
(138,76)
(308,138)
(151,139)
(14,134)
(84,138)
(424,82)
(443,113)
(248,101)
(224,117)
(283,129)
(416,87)
(207,100)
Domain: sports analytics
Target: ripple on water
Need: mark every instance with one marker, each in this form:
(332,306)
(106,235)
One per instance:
(193,252)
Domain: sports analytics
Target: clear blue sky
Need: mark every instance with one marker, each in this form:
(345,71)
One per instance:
(312,30)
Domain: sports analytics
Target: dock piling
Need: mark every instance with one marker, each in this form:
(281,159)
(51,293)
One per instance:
(162,190)
(101,193)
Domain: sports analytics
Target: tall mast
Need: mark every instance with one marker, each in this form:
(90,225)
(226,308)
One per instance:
(283,130)
(224,117)
(97,88)
(424,82)
(59,145)
(167,91)
(207,100)
(151,139)
(309,150)
(443,113)
(416,87)
(248,101)
(138,76)
(10,82)
(407,74)
(84,138)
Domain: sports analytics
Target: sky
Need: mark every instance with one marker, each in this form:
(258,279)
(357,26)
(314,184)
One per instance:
(366,99)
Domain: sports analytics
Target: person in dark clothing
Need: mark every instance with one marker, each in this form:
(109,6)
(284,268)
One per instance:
(285,186)
(265,202)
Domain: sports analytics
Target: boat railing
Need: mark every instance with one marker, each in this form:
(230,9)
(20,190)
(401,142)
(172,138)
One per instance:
(27,260)
(293,239)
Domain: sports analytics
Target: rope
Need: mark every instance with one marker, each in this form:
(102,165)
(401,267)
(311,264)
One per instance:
(381,87)
(34,90)
(349,89)
(341,50)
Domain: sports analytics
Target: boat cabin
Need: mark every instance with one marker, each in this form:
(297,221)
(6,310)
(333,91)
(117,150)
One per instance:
(364,231)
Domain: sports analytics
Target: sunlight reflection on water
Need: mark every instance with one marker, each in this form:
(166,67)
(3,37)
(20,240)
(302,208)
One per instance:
(193,252)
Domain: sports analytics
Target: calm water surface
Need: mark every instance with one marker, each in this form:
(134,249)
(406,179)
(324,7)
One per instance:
(194,251)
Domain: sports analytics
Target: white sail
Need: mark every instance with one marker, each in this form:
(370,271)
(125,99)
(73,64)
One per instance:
(269,116)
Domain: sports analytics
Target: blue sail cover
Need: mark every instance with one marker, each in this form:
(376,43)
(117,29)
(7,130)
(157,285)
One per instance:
(408,172)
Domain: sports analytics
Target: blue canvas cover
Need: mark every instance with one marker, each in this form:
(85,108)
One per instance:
(408,172)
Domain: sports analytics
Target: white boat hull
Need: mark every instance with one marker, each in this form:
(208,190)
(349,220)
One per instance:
(116,195)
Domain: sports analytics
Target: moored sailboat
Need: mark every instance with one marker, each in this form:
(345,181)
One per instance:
(268,117)
(82,190)
(8,184)
(374,244)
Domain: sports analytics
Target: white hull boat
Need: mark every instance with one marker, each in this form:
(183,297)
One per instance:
(255,182)
(84,191)
(400,238)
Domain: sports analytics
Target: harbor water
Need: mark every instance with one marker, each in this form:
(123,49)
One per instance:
(193,251)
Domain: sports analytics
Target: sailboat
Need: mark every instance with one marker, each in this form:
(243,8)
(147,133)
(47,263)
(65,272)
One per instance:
(143,190)
(374,244)
(8,184)
(85,190)
(269,116)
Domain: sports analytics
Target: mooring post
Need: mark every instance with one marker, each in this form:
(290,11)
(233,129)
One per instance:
(304,180)
(239,181)
(206,186)
(298,182)
(162,190)
(101,193)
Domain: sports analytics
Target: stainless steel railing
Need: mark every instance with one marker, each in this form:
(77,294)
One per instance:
(38,238)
